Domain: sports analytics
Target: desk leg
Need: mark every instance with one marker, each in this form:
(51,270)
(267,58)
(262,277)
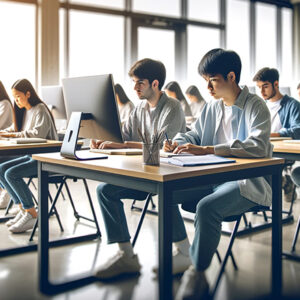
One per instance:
(165,243)
(276,235)
(43,245)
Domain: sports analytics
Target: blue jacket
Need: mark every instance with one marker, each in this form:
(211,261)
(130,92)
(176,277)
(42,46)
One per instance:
(251,127)
(289,115)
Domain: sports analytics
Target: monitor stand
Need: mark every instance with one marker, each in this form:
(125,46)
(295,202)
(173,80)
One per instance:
(69,145)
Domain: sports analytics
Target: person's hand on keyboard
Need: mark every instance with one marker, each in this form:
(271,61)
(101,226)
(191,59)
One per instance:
(95,144)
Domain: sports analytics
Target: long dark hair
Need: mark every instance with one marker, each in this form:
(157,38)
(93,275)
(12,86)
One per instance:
(173,86)
(24,86)
(3,93)
(121,93)
(193,91)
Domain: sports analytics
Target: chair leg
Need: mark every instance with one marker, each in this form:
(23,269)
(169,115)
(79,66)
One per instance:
(132,204)
(76,215)
(218,256)
(8,207)
(148,199)
(92,206)
(296,235)
(228,252)
(53,203)
(292,202)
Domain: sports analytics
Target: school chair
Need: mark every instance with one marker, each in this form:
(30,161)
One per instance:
(61,181)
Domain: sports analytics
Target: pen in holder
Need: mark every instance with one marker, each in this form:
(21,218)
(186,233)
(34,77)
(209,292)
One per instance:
(151,154)
(151,147)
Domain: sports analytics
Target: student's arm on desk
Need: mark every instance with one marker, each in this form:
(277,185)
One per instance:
(170,146)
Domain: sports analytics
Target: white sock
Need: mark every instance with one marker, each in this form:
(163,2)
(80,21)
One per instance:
(183,246)
(127,248)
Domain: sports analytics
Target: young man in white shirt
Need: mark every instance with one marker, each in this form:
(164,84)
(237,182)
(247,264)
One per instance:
(285,116)
(237,123)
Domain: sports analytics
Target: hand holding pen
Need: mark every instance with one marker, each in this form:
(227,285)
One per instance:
(169,145)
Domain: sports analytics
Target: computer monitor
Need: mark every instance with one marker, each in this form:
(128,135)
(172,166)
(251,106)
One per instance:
(94,95)
(53,97)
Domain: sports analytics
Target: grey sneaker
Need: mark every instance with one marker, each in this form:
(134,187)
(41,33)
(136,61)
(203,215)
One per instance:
(4,199)
(120,264)
(193,286)
(15,219)
(26,222)
(288,187)
(180,263)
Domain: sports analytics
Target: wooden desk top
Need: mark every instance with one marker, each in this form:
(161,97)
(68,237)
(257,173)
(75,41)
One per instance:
(133,166)
(7,145)
(281,147)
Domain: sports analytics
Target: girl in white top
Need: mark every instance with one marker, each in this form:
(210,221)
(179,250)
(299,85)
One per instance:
(173,90)
(32,118)
(6,109)
(197,102)
(6,118)
(124,104)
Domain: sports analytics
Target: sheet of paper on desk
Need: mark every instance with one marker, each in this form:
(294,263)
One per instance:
(197,160)
(27,140)
(171,154)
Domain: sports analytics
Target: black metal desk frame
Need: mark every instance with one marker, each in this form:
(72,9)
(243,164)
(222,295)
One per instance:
(32,246)
(164,191)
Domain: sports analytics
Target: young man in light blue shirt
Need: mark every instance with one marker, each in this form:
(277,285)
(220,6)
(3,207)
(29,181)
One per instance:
(236,124)
(285,117)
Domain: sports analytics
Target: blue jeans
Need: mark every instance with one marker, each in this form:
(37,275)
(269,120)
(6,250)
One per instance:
(214,203)
(12,173)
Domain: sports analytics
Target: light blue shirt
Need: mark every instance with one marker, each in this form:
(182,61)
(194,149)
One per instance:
(251,127)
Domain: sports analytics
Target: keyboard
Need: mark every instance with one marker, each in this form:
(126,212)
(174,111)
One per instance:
(292,141)
(123,151)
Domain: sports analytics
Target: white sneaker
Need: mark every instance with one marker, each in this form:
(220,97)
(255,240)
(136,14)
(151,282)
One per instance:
(4,199)
(15,219)
(15,210)
(26,222)
(180,263)
(193,286)
(120,264)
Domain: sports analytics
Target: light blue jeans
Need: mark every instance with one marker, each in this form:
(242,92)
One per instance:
(213,204)
(12,173)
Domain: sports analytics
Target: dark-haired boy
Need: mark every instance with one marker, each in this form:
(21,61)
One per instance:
(155,112)
(237,125)
(285,116)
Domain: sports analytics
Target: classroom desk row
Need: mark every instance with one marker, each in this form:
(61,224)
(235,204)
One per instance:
(163,180)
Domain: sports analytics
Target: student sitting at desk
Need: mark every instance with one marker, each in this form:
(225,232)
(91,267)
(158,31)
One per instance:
(285,116)
(173,90)
(32,119)
(237,125)
(124,104)
(197,102)
(6,119)
(155,112)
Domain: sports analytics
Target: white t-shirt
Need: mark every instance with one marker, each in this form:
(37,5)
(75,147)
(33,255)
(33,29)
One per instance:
(224,133)
(274,107)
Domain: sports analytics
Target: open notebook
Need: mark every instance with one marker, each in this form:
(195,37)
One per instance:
(291,141)
(125,151)
(170,154)
(197,160)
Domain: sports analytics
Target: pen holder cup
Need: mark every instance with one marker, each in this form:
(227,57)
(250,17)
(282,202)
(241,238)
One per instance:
(151,154)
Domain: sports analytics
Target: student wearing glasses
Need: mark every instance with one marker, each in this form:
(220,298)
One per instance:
(236,124)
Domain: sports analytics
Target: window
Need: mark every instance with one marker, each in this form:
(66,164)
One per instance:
(17,51)
(96,44)
(238,35)
(265,36)
(157,7)
(204,10)
(118,4)
(158,44)
(200,41)
(286,76)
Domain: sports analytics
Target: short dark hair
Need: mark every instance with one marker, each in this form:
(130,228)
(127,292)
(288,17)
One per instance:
(267,74)
(220,61)
(149,69)
(298,86)
(194,91)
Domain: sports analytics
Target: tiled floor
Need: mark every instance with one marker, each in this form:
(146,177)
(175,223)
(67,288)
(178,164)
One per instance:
(18,273)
